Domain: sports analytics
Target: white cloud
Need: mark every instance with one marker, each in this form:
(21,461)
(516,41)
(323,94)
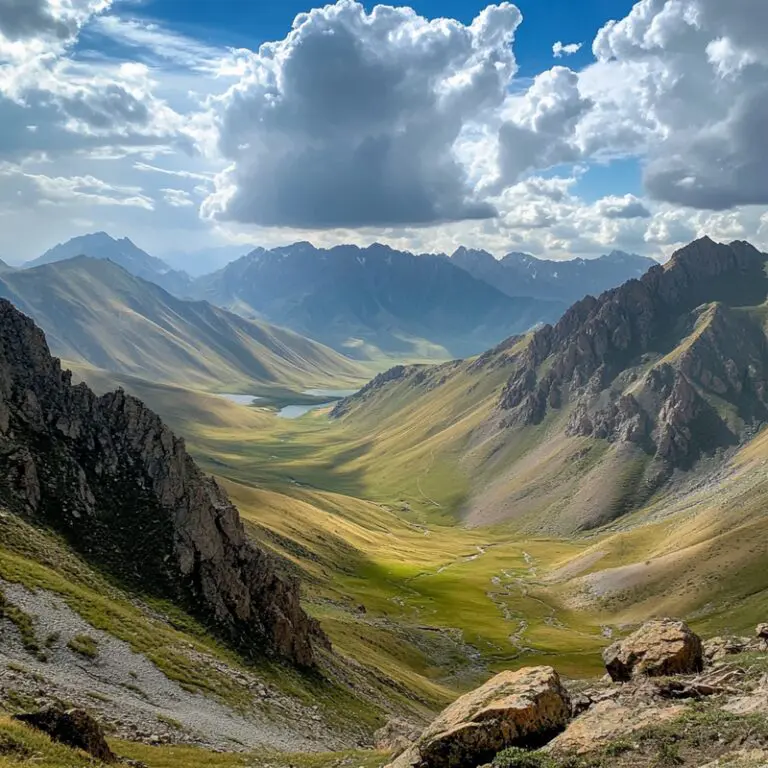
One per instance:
(698,71)
(626,207)
(385,126)
(177,198)
(155,44)
(31,28)
(352,119)
(560,49)
(82,190)
(541,128)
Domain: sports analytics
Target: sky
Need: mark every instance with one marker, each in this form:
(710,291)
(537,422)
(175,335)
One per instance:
(558,128)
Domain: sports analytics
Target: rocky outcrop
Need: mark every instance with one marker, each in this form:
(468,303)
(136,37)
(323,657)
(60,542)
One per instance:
(115,480)
(660,647)
(609,721)
(395,736)
(524,708)
(718,648)
(583,358)
(73,727)
(397,373)
(531,721)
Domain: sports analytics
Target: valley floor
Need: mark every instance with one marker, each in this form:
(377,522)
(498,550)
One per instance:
(419,607)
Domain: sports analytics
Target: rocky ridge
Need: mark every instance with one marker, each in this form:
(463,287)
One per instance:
(108,474)
(606,356)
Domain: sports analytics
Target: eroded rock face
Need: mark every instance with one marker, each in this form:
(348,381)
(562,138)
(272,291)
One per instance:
(120,485)
(75,728)
(523,708)
(581,359)
(661,647)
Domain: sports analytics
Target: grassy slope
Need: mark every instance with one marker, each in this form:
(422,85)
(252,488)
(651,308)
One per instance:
(96,313)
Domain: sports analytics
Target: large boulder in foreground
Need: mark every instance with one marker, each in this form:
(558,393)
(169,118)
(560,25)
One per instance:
(75,728)
(658,648)
(525,708)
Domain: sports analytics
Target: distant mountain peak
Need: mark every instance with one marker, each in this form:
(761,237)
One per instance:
(124,252)
(374,300)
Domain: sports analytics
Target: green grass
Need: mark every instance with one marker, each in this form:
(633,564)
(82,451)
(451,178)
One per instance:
(41,561)
(96,314)
(24,624)
(85,646)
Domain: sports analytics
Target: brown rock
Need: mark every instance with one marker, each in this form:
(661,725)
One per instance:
(524,708)
(608,721)
(762,631)
(661,647)
(75,728)
(718,648)
(396,736)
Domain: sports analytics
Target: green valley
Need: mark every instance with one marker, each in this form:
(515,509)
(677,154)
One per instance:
(449,522)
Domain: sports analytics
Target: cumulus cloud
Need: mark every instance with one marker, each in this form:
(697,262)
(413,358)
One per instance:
(383,125)
(560,49)
(541,130)
(352,119)
(626,207)
(29,27)
(698,69)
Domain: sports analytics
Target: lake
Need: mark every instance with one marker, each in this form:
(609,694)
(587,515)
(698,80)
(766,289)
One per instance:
(295,411)
(242,399)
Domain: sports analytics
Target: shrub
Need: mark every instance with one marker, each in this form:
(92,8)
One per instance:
(84,645)
(514,757)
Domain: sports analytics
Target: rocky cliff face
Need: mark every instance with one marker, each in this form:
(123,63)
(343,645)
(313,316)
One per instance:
(109,475)
(614,357)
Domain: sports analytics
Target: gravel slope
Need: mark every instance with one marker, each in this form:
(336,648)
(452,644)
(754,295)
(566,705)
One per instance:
(133,698)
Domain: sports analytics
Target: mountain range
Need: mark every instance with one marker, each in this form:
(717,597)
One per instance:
(376,302)
(619,396)
(373,301)
(94,311)
(523,507)
(520,274)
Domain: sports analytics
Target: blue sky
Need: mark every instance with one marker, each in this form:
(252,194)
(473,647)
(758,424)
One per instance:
(545,21)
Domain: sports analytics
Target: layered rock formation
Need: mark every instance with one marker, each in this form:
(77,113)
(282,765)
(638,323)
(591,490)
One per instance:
(109,475)
(614,357)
